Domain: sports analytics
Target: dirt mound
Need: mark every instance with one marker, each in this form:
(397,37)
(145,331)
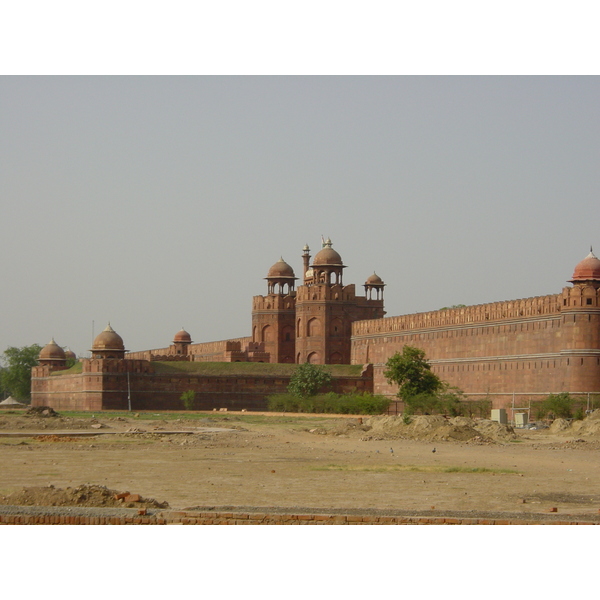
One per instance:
(35,421)
(42,411)
(594,415)
(588,427)
(83,495)
(558,425)
(494,430)
(436,427)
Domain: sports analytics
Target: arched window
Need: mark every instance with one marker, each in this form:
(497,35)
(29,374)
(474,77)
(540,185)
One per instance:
(314,327)
(313,358)
(267,334)
(337,327)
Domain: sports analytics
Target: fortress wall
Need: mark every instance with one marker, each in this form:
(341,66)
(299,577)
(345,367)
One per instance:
(65,392)
(108,389)
(215,351)
(502,347)
(163,392)
(202,352)
(479,313)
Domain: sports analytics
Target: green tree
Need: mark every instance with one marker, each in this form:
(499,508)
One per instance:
(412,373)
(308,380)
(560,405)
(16,374)
(188,399)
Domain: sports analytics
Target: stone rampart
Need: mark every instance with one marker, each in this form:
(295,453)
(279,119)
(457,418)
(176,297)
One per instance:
(546,344)
(115,385)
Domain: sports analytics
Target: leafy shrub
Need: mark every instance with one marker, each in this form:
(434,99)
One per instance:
(331,403)
(188,399)
(308,379)
(559,405)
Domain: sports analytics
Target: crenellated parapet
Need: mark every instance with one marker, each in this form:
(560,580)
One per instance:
(95,365)
(480,313)
(580,297)
(327,293)
(274,302)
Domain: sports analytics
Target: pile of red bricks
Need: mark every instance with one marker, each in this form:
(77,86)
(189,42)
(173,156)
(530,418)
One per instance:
(249,518)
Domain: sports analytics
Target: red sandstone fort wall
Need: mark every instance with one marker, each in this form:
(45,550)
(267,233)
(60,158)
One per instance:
(539,345)
(201,352)
(106,384)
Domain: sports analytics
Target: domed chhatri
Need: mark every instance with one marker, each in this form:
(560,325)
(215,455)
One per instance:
(281,270)
(327,256)
(51,352)
(281,278)
(108,339)
(69,354)
(108,344)
(374,284)
(587,270)
(374,280)
(182,337)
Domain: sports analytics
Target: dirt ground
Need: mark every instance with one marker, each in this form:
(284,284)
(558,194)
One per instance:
(245,459)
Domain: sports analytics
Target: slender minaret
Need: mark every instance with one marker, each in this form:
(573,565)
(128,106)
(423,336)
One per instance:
(305,261)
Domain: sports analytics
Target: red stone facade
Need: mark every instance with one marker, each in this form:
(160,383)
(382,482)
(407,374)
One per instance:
(313,324)
(112,384)
(539,345)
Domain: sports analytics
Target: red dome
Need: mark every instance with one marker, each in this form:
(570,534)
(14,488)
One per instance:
(374,280)
(182,336)
(281,269)
(109,339)
(52,351)
(70,354)
(588,269)
(327,256)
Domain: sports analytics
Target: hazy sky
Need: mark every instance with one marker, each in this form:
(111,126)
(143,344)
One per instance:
(161,202)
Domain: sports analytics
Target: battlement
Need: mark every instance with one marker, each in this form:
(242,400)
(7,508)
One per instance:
(479,313)
(115,365)
(580,297)
(323,292)
(274,302)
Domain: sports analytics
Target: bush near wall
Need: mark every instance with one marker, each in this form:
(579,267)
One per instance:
(345,404)
(561,405)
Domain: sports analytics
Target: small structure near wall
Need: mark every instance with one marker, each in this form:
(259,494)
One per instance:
(499,415)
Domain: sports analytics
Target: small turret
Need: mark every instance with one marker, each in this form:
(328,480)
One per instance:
(53,356)
(108,344)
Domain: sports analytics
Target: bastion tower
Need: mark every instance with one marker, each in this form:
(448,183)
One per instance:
(326,308)
(580,313)
(273,315)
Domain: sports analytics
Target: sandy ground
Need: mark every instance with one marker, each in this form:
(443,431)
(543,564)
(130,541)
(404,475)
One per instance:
(228,461)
